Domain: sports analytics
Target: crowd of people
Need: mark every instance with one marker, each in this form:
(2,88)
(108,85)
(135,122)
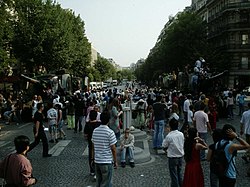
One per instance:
(186,120)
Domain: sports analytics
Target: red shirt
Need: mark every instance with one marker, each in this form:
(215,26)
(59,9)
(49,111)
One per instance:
(19,170)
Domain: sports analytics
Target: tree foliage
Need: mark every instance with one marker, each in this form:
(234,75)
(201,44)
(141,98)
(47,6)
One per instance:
(125,74)
(46,35)
(6,34)
(105,68)
(181,42)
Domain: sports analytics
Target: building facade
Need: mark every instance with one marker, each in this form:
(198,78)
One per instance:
(94,55)
(229,31)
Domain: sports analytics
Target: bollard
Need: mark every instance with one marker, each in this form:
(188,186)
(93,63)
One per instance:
(126,118)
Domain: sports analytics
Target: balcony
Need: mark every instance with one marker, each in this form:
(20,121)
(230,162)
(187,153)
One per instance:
(235,26)
(230,27)
(229,7)
(241,5)
(235,47)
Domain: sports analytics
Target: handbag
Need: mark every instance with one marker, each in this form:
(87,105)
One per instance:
(4,184)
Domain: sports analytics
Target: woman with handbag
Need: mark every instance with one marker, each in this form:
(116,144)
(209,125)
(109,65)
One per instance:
(16,169)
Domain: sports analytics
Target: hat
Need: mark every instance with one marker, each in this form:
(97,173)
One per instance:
(132,128)
(141,100)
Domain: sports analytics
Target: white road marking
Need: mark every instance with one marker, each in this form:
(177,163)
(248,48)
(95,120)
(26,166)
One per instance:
(59,147)
(21,126)
(160,152)
(5,133)
(3,143)
(86,151)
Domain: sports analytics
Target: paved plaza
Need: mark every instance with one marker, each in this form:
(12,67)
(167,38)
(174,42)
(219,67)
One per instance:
(69,164)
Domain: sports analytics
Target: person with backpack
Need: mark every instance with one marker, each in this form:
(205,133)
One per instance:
(224,156)
(217,136)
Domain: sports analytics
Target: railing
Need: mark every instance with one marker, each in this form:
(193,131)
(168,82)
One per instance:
(228,27)
(235,46)
(237,6)
(233,26)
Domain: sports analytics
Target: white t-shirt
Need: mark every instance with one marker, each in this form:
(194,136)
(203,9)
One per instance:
(175,116)
(52,116)
(186,105)
(174,142)
(201,119)
(245,120)
(190,116)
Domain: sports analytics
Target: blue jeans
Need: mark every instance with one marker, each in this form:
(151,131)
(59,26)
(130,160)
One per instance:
(7,114)
(203,135)
(78,121)
(241,108)
(103,175)
(158,133)
(130,151)
(175,165)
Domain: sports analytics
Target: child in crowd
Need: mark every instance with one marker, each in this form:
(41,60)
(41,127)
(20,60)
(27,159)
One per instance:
(60,122)
(52,121)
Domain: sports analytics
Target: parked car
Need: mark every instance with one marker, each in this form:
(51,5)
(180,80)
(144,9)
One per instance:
(105,85)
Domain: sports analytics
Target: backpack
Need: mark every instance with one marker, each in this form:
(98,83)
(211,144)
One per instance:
(219,163)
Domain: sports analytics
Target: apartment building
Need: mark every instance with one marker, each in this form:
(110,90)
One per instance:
(229,31)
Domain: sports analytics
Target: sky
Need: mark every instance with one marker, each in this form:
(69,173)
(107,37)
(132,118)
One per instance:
(124,30)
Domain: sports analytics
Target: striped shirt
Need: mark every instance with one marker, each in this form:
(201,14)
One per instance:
(103,137)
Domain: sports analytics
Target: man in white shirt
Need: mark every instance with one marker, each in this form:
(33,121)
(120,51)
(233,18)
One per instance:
(245,128)
(174,144)
(201,123)
(186,105)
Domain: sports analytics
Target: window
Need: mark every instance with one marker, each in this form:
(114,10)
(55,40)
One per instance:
(244,63)
(232,18)
(232,37)
(244,39)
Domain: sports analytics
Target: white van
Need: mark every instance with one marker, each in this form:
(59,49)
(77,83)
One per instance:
(93,85)
(115,82)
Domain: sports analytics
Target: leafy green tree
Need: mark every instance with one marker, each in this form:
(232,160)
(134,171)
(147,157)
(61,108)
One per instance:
(6,35)
(105,68)
(182,42)
(94,74)
(125,74)
(47,35)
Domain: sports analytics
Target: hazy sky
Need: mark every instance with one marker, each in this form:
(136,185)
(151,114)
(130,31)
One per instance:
(124,30)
